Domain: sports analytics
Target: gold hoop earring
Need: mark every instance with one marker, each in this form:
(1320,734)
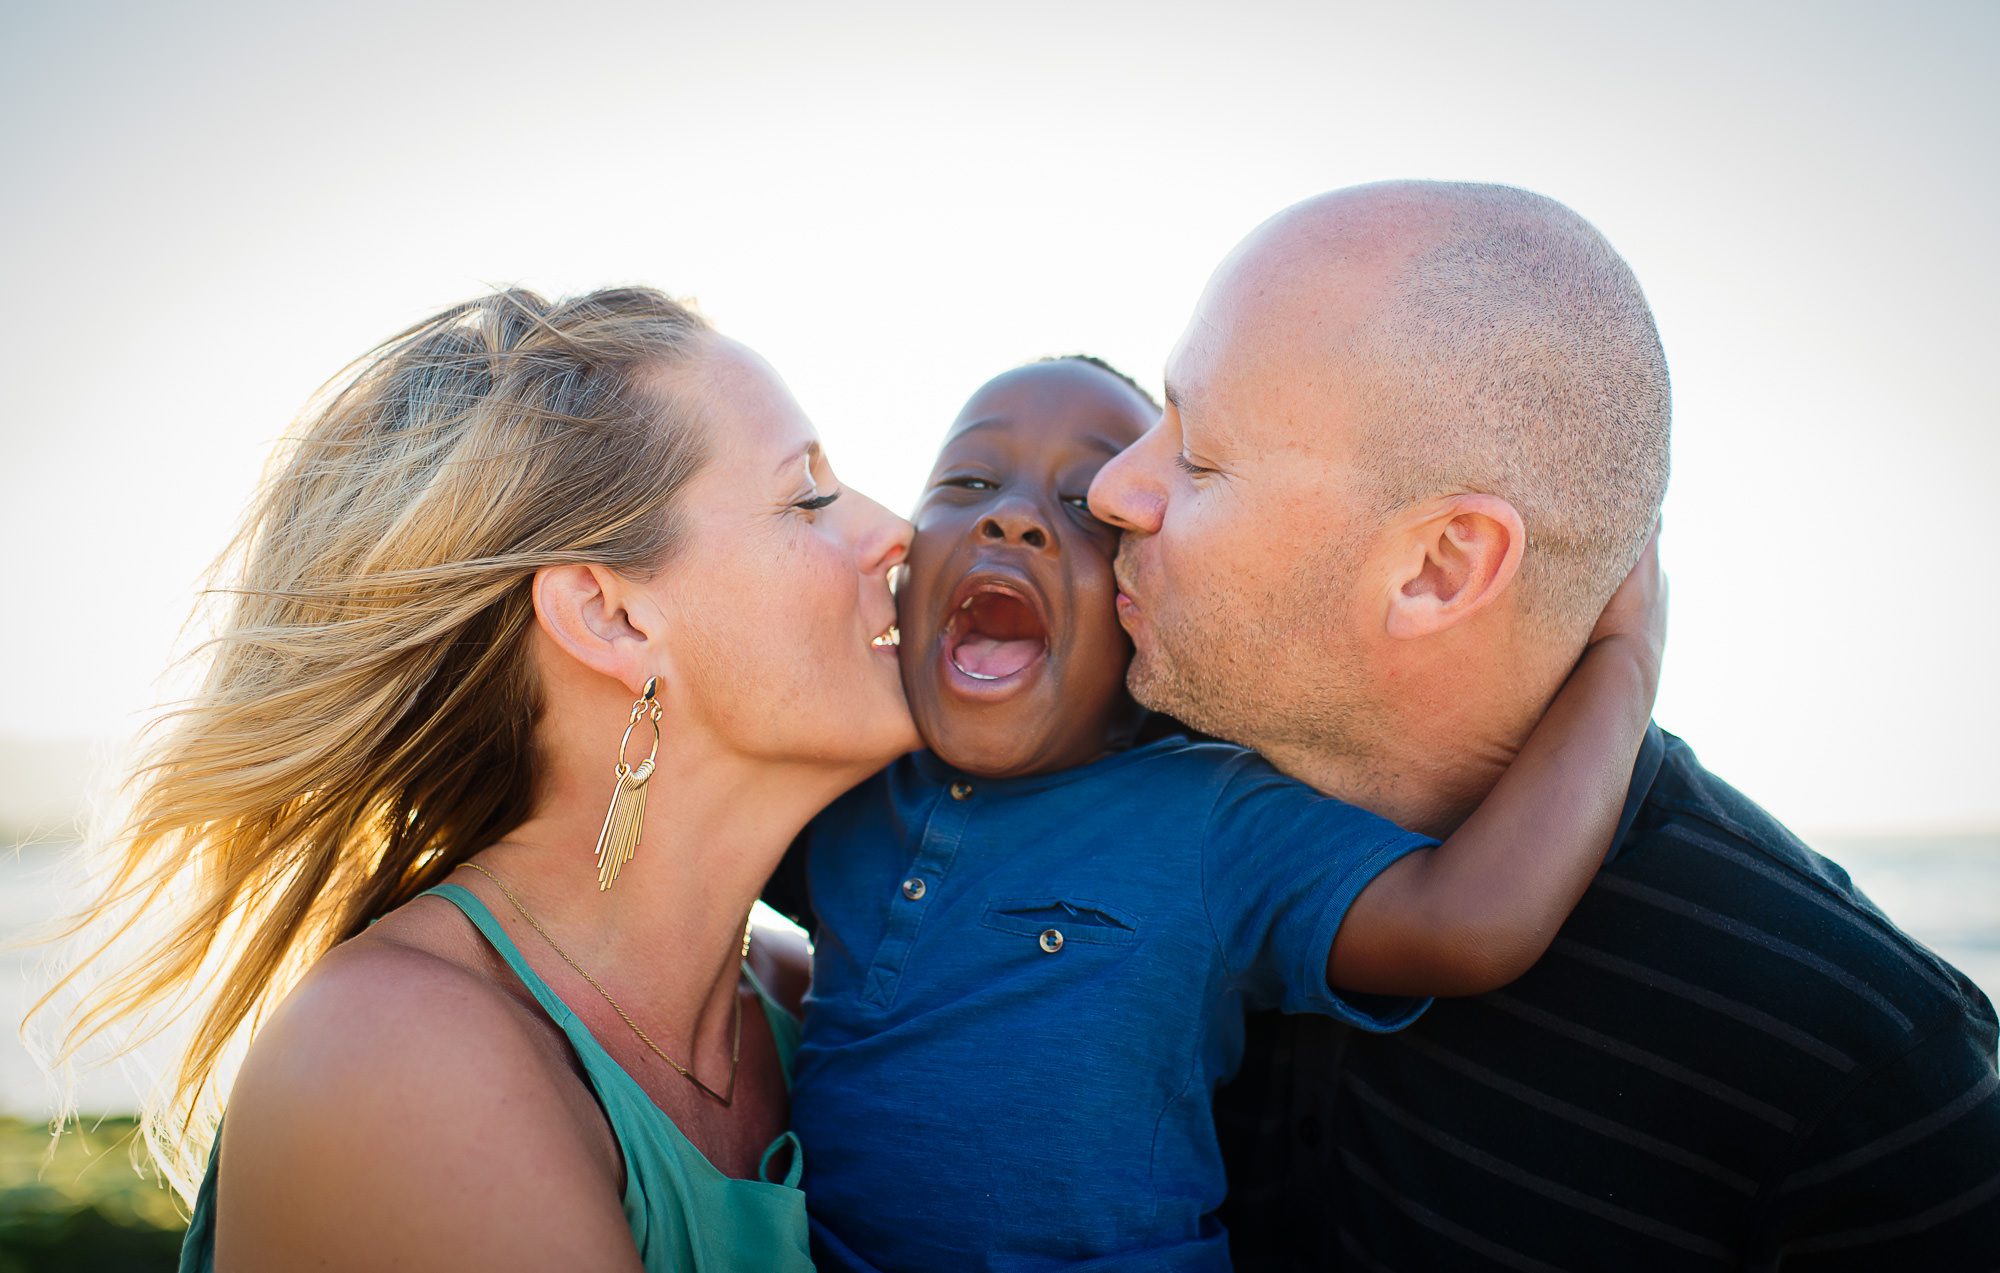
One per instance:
(627,815)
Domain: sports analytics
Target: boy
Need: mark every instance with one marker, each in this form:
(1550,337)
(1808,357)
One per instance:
(1036,939)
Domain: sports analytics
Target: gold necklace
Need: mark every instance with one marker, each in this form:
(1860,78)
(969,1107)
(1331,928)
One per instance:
(736,1043)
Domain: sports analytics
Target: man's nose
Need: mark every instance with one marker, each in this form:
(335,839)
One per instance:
(1016,519)
(1122,495)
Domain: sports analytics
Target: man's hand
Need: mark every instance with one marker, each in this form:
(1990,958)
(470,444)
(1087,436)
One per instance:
(1638,610)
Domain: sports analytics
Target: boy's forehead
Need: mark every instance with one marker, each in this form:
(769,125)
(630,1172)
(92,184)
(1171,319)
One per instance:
(1072,396)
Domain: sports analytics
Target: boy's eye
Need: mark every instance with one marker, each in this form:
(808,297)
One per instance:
(1081,505)
(969,483)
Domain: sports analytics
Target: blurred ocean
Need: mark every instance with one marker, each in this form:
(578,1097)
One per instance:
(1944,891)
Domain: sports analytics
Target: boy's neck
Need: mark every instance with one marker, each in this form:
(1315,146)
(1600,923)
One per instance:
(1122,735)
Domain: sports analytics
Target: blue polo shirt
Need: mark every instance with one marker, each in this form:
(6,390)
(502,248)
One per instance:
(1025,992)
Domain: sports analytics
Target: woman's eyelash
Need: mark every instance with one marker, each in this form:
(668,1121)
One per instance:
(817,502)
(1189,466)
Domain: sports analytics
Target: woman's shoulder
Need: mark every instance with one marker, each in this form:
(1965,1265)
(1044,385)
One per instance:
(388,1073)
(383,1023)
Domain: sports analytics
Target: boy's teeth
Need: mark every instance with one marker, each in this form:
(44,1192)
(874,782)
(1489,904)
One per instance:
(967,604)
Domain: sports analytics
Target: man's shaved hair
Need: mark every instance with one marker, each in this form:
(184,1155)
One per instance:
(1515,355)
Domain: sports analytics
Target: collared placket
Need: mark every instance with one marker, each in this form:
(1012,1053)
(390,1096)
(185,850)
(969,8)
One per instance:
(944,830)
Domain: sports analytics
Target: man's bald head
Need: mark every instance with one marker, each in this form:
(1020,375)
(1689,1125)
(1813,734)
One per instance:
(1415,436)
(1486,339)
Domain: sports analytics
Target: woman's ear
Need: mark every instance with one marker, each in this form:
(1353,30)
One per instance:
(596,617)
(1459,555)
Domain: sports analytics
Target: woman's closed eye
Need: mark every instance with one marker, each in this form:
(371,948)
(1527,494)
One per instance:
(817,502)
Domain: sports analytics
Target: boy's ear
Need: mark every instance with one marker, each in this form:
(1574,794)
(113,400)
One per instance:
(601,620)
(1455,556)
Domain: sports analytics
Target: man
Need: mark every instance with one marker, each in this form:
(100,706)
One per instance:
(1416,434)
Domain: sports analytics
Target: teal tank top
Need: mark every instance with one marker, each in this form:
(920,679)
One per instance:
(686,1215)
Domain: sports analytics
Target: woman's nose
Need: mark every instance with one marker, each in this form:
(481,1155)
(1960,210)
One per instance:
(1016,520)
(885,537)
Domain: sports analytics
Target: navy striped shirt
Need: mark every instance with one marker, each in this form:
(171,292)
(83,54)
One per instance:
(1730,1059)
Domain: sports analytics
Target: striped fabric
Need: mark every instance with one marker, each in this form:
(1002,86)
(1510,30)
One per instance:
(1729,1060)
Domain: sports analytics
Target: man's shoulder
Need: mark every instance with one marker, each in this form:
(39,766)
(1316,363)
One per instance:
(1720,879)
(1727,1042)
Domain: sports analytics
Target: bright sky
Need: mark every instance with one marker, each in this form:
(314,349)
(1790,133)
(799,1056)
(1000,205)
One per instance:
(211,207)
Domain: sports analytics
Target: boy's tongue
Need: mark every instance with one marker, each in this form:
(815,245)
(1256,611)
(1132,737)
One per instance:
(997,637)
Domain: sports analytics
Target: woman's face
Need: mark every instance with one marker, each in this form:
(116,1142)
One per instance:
(781,640)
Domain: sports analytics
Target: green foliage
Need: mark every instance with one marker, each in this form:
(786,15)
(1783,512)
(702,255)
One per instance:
(85,1207)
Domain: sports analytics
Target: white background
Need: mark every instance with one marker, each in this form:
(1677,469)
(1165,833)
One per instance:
(209,208)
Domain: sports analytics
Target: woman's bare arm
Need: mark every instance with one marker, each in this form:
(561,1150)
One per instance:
(395,1113)
(1477,911)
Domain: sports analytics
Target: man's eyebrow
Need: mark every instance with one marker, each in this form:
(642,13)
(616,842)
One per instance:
(1177,398)
(808,454)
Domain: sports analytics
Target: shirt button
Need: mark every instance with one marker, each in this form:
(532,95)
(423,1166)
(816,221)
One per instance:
(960,790)
(1052,940)
(913,888)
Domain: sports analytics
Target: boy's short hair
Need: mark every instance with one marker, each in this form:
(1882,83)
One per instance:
(1092,360)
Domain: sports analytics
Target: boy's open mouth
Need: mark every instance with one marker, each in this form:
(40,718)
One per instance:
(994,632)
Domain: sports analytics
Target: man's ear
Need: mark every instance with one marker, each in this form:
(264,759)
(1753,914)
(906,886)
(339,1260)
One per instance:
(1457,556)
(599,619)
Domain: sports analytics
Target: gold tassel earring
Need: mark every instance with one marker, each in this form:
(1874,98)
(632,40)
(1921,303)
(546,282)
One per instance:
(623,821)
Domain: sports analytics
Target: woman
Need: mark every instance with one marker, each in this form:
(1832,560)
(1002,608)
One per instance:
(500,541)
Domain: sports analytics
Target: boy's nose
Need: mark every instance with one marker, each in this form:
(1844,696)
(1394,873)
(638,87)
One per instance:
(1015,520)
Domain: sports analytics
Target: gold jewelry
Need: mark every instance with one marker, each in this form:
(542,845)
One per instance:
(736,1043)
(626,818)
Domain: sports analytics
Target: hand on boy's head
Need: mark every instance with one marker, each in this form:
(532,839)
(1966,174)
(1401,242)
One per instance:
(1013,659)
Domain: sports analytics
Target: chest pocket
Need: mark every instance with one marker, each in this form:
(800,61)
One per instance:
(1052,922)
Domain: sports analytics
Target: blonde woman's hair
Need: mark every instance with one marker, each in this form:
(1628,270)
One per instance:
(364,720)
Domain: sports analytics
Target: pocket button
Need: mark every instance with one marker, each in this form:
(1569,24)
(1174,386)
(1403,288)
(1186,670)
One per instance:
(1052,940)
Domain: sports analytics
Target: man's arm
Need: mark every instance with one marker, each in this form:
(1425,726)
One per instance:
(781,954)
(1477,911)
(787,891)
(1903,1170)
